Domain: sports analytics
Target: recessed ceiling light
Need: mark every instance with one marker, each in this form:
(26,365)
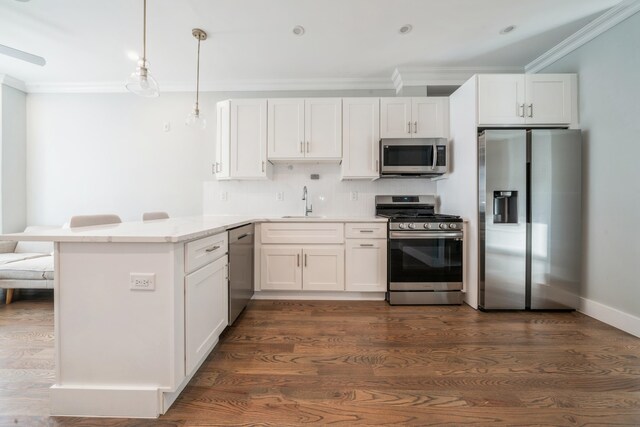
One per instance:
(298,30)
(507,30)
(406,29)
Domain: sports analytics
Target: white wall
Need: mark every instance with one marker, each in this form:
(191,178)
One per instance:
(609,105)
(13,179)
(95,153)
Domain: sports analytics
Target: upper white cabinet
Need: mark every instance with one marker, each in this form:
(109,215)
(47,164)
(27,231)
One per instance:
(241,150)
(360,138)
(516,99)
(416,117)
(305,129)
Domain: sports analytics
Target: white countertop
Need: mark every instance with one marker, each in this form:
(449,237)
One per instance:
(170,230)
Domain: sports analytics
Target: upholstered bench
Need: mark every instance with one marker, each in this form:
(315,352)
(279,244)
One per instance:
(26,265)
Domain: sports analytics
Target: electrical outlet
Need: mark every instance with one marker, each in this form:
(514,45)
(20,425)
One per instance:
(142,281)
(224,196)
(166,126)
(354,196)
(280,196)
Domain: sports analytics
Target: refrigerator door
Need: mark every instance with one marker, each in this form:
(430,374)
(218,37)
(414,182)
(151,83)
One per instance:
(556,175)
(503,222)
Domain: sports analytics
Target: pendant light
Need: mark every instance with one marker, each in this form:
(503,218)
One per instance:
(141,82)
(195,119)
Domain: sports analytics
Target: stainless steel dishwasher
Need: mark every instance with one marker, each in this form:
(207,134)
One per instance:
(240,269)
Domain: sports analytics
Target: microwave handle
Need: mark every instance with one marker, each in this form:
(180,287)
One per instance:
(434,152)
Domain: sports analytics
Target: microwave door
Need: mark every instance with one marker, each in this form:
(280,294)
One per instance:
(407,159)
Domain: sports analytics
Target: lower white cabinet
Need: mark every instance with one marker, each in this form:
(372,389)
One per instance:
(312,268)
(366,265)
(206,311)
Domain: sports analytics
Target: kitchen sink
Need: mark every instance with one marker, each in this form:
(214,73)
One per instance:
(303,217)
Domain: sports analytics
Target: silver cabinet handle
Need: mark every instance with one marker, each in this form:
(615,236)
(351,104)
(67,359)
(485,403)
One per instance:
(308,147)
(415,127)
(520,110)
(366,245)
(211,249)
(263,166)
(366,231)
(301,147)
(408,127)
(377,165)
(228,271)
(530,110)
(298,259)
(305,260)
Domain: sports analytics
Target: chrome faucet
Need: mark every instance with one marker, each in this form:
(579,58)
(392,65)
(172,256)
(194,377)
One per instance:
(308,208)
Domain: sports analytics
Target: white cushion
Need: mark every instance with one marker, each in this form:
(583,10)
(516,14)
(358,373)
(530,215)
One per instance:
(11,257)
(30,247)
(29,269)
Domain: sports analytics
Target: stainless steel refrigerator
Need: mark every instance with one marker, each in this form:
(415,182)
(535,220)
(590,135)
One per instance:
(529,219)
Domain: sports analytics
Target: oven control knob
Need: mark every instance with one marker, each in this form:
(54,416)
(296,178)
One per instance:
(412,226)
(425,226)
(443,226)
(401,226)
(453,226)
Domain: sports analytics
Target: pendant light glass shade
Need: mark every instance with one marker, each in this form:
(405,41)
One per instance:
(195,119)
(141,82)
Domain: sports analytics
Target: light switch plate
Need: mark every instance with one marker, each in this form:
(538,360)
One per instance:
(142,281)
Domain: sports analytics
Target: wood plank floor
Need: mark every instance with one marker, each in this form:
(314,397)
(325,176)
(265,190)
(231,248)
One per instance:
(365,363)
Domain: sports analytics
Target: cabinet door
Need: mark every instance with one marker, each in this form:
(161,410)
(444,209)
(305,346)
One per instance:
(549,98)
(248,138)
(366,265)
(285,128)
(323,268)
(360,138)
(323,128)
(395,118)
(280,268)
(223,121)
(501,99)
(206,305)
(430,117)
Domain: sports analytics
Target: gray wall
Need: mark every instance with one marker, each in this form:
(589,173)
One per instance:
(13,184)
(608,70)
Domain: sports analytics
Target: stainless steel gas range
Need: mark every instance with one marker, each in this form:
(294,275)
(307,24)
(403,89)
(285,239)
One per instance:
(424,251)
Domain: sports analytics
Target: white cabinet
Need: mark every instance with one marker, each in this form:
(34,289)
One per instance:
(206,299)
(241,150)
(206,311)
(360,138)
(280,267)
(323,268)
(516,99)
(416,117)
(304,129)
(366,257)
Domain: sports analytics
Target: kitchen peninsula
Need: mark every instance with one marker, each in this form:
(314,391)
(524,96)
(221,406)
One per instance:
(138,307)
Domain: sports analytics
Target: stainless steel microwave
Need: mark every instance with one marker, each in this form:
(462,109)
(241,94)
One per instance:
(414,157)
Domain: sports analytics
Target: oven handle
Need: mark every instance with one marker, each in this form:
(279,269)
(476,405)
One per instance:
(395,235)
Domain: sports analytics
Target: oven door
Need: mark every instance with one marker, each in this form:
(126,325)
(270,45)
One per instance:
(427,261)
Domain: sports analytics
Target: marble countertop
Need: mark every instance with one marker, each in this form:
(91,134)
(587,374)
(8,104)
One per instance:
(170,230)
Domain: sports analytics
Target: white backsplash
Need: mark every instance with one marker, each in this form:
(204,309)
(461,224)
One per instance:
(329,195)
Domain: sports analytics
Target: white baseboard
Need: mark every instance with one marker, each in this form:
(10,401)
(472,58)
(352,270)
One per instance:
(320,296)
(116,402)
(611,316)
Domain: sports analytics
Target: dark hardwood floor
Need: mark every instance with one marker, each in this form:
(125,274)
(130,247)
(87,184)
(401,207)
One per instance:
(365,363)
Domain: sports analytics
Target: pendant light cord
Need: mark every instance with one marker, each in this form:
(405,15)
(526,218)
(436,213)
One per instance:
(144,35)
(197,75)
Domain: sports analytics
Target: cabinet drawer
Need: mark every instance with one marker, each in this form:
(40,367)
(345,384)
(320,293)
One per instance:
(203,251)
(375,230)
(302,232)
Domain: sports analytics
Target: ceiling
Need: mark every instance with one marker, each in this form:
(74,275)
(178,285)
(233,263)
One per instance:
(89,41)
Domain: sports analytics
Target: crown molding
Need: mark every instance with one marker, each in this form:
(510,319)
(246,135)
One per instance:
(220,86)
(593,29)
(443,76)
(12,82)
